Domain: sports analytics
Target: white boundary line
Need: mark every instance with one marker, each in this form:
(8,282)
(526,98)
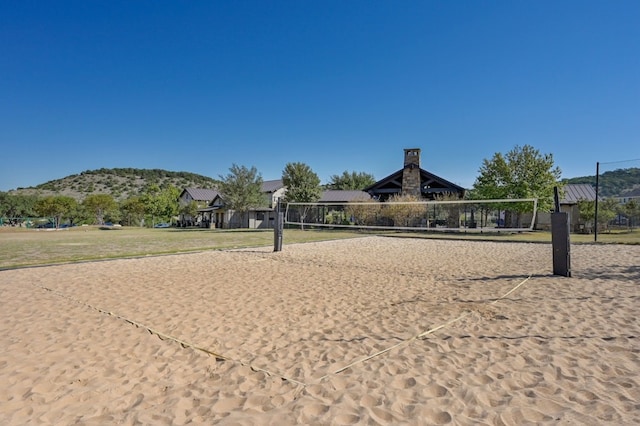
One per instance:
(186,344)
(418,336)
(164,336)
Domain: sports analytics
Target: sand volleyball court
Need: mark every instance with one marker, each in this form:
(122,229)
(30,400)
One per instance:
(374,330)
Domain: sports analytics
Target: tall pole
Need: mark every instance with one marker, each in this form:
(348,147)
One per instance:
(595,232)
(560,240)
(278,228)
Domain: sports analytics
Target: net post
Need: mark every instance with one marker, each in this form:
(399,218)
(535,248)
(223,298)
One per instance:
(560,240)
(595,220)
(278,228)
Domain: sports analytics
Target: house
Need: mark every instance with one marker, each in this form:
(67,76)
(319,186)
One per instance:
(273,190)
(216,215)
(572,193)
(264,217)
(413,180)
(626,217)
(634,194)
(201,196)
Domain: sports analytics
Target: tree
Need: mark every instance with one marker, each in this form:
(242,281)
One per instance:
(606,212)
(76,213)
(631,209)
(303,185)
(16,207)
(160,203)
(404,214)
(99,205)
(351,181)
(522,173)
(587,213)
(241,190)
(56,206)
(363,211)
(132,211)
(189,210)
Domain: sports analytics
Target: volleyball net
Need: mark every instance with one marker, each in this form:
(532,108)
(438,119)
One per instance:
(444,216)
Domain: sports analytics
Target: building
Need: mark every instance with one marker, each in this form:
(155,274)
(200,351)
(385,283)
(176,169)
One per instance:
(571,194)
(216,215)
(335,196)
(413,180)
(202,197)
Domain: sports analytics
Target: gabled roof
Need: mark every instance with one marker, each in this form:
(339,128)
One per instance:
(429,183)
(270,186)
(200,194)
(339,196)
(575,192)
(631,194)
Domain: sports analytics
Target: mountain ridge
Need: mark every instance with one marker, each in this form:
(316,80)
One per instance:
(614,183)
(122,183)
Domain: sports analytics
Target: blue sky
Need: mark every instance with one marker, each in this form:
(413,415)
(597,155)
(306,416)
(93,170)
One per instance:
(197,86)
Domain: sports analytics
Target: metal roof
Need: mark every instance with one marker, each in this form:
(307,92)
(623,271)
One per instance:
(575,192)
(631,194)
(201,194)
(338,196)
(272,185)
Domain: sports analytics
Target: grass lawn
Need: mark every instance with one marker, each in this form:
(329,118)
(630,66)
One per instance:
(29,247)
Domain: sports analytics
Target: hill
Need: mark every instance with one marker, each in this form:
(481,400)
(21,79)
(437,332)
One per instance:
(125,182)
(120,183)
(614,183)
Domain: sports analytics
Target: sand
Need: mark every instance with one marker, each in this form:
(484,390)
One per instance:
(374,330)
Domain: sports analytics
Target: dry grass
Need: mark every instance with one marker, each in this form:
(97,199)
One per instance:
(23,247)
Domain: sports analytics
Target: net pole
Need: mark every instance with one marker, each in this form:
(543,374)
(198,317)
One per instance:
(595,229)
(278,228)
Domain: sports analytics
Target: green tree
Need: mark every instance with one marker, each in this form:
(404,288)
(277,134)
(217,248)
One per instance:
(56,207)
(132,211)
(522,173)
(160,203)
(351,181)
(606,212)
(587,213)
(631,209)
(152,202)
(76,214)
(303,186)
(170,195)
(99,206)
(241,190)
(190,209)
(16,207)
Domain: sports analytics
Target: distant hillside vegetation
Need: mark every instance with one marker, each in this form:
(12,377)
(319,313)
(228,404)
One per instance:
(614,183)
(120,183)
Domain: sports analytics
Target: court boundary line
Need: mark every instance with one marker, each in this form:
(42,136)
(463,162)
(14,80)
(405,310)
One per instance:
(300,384)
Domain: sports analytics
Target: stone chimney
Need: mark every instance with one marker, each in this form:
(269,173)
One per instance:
(411,172)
